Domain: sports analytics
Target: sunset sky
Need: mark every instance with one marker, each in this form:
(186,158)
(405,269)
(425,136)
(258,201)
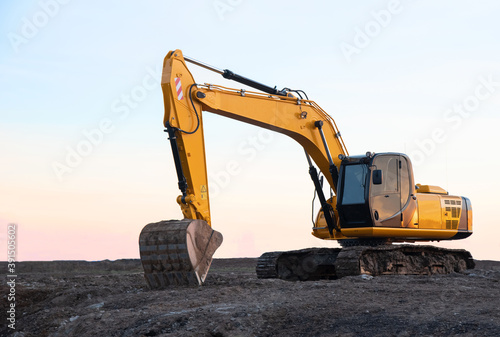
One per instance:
(417,77)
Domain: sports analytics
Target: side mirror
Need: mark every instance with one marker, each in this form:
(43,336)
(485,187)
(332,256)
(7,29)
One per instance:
(377,177)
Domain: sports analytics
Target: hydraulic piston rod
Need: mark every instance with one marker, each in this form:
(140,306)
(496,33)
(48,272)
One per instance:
(327,208)
(228,74)
(333,169)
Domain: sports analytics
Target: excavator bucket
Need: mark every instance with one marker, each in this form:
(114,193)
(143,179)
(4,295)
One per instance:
(177,252)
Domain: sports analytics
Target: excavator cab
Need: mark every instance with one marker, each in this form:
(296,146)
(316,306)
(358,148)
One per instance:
(376,190)
(378,198)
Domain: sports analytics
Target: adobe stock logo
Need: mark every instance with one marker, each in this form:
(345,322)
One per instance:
(222,7)
(364,36)
(248,150)
(30,28)
(92,138)
(454,118)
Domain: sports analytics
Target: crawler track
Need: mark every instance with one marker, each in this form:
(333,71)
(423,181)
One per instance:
(330,263)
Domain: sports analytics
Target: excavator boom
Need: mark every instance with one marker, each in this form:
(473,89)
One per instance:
(185,100)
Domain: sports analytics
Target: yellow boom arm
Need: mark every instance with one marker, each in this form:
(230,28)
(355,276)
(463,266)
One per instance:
(184,102)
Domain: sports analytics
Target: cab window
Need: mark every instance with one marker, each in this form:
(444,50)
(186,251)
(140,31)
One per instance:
(354,184)
(389,166)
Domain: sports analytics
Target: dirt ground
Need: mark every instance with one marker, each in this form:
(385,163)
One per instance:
(110,298)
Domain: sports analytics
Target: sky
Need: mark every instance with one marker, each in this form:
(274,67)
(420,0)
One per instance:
(85,164)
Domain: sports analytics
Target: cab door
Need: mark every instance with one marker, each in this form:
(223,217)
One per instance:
(393,202)
(385,198)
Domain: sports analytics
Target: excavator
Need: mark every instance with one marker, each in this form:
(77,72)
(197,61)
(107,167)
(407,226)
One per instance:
(374,210)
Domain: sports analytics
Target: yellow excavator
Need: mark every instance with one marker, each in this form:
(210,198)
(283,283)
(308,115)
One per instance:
(375,201)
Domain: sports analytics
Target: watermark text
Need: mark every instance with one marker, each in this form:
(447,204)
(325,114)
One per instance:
(11,274)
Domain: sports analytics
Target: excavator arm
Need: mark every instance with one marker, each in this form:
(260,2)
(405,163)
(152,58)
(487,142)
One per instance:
(185,100)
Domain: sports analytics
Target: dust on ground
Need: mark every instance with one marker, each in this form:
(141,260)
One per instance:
(110,298)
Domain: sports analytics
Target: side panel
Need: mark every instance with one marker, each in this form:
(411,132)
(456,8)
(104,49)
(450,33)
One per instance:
(429,211)
(445,213)
(452,212)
